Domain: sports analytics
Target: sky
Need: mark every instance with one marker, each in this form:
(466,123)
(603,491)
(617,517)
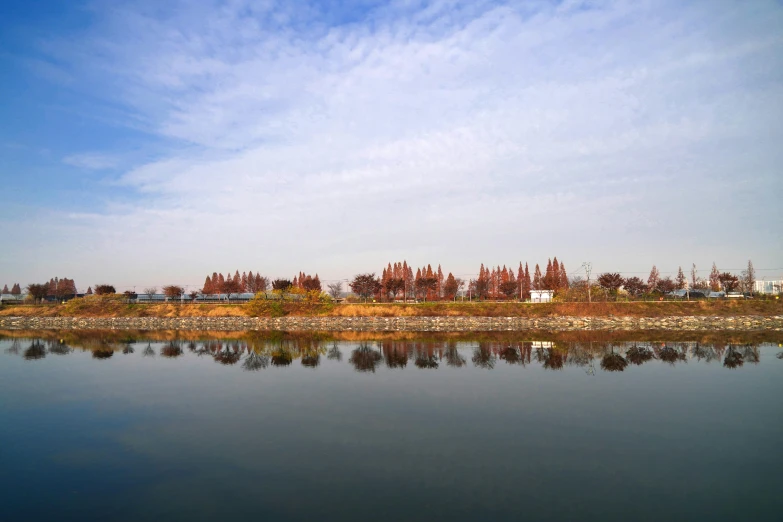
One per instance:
(150,143)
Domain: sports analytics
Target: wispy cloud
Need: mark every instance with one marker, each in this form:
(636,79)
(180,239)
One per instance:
(91,161)
(452,131)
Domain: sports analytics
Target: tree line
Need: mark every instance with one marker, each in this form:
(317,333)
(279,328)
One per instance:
(717,281)
(399,281)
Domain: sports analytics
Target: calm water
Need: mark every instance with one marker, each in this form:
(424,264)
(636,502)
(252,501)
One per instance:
(112,427)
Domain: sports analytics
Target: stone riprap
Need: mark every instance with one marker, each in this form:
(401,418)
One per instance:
(392,324)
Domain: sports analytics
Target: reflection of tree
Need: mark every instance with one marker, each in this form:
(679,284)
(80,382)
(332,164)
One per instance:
(639,355)
(779,355)
(454,358)
(365,359)
(59,348)
(148,351)
(334,353)
(281,356)
(613,362)
(255,361)
(483,357)
(102,353)
(311,359)
(733,358)
(128,348)
(670,355)
(15,347)
(171,350)
(551,358)
(35,351)
(424,360)
(204,349)
(750,354)
(192,346)
(227,355)
(704,352)
(579,355)
(511,355)
(395,358)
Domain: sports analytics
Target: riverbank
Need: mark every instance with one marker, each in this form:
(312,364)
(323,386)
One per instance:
(114,307)
(397,324)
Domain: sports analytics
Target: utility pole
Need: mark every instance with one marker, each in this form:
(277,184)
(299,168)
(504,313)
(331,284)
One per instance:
(588,268)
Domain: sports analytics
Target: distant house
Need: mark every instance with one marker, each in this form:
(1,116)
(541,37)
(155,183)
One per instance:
(541,296)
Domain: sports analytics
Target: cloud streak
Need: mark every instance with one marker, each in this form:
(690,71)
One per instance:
(609,131)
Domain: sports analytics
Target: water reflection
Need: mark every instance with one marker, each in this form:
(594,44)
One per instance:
(254,351)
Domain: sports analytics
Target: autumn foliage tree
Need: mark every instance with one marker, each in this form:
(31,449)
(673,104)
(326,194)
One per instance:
(665,286)
(246,282)
(611,281)
(634,286)
(173,291)
(365,285)
(105,290)
(38,291)
(728,281)
(450,287)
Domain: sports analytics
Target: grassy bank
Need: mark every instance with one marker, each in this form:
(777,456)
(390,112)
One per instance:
(95,306)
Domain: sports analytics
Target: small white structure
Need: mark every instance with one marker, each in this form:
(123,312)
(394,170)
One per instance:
(541,296)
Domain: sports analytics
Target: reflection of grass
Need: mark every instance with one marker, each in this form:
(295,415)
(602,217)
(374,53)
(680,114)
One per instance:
(102,353)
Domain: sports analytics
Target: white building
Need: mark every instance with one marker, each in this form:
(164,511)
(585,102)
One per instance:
(541,296)
(767,287)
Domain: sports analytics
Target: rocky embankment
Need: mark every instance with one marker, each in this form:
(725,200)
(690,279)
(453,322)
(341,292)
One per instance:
(390,324)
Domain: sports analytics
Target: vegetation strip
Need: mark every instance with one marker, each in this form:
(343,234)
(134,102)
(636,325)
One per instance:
(424,324)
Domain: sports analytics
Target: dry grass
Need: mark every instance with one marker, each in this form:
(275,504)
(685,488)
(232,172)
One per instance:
(95,306)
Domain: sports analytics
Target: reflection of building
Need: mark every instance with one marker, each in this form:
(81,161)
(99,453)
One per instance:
(541,296)
(542,344)
(767,287)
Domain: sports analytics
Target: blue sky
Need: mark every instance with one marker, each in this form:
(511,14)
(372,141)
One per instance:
(151,143)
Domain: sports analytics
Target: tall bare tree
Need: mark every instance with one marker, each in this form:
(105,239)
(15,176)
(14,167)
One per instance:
(335,289)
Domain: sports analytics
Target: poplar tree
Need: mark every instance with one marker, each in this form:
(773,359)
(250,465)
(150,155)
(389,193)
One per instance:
(555,275)
(749,277)
(652,280)
(537,279)
(563,277)
(714,278)
(682,281)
